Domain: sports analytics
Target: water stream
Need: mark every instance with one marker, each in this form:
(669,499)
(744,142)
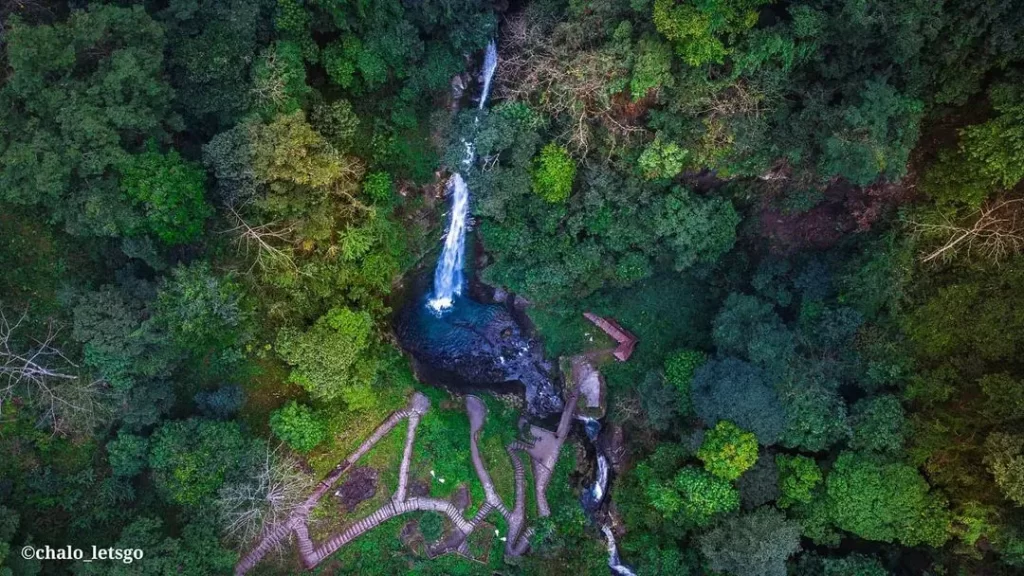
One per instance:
(448,278)
(592,498)
(469,339)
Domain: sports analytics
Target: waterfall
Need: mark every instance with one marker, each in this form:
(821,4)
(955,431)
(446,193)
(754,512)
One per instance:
(448,277)
(490,65)
(592,498)
(614,562)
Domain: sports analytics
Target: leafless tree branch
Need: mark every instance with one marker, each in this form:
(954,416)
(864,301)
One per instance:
(275,490)
(994,232)
(40,373)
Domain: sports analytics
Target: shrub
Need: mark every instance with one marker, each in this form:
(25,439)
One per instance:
(299,426)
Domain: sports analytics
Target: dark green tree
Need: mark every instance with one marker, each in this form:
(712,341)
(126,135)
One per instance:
(82,96)
(127,454)
(753,544)
(192,458)
(730,389)
(879,425)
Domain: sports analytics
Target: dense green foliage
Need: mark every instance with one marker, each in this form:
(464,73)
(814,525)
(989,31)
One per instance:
(191,459)
(752,544)
(298,426)
(727,451)
(809,213)
(332,359)
(553,174)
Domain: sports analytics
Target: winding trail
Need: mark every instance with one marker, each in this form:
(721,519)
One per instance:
(518,538)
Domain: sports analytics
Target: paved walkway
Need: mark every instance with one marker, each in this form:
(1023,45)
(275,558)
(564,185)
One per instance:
(517,540)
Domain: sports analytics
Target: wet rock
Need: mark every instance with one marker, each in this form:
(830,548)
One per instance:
(458,87)
(359,486)
(591,384)
(500,295)
(482,345)
(613,443)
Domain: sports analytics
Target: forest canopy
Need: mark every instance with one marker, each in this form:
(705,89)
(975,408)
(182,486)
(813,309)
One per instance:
(810,214)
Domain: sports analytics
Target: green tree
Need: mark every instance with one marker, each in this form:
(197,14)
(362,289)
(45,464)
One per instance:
(662,159)
(1004,397)
(195,551)
(815,412)
(378,187)
(996,148)
(680,367)
(1004,456)
(879,425)
(299,426)
(279,79)
(873,137)
(119,339)
(728,451)
(798,477)
(748,326)
(334,359)
(211,47)
(169,191)
(337,122)
(885,502)
(754,544)
(8,528)
(852,565)
(697,230)
(652,69)
(127,454)
(730,389)
(660,400)
(192,458)
(553,174)
(987,160)
(698,29)
(202,310)
(693,497)
(760,484)
(81,96)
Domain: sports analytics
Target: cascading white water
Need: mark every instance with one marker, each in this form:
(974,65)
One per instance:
(614,562)
(490,65)
(592,497)
(448,278)
(448,275)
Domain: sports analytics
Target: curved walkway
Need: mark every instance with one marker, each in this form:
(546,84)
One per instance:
(518,537)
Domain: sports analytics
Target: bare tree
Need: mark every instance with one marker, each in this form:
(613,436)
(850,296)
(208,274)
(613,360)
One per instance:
(42,374)
(994,231)
(261,241)
(273,492)
(539,67)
